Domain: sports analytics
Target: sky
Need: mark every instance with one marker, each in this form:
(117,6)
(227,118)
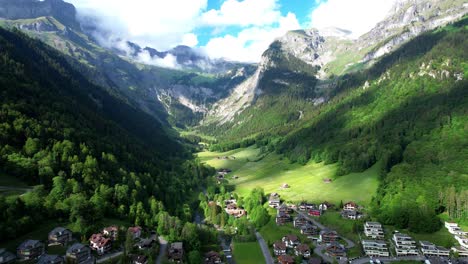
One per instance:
(238,30)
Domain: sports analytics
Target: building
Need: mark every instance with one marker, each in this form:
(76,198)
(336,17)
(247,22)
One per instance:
(323,207)
(335,249)
(404,245)
(6,257)
(100,243)
(283,208)
(135,231)
(140,259)
(145,243)
(328,236)
(462,252)
(232,209)
(176,252)
(315,212)
(79,254)
(279,248)
(60,236)
(285,259)
(111,232)
(350,206)
(350,214)
(304,206)
(309,230)
(213,257)
(374,230)
(282,218)
(291,241)
(462,240)
(30,249)
(454,229)
(375,248)
(302,250)
(50,259)
(300,221)
(274,200)
(429,249)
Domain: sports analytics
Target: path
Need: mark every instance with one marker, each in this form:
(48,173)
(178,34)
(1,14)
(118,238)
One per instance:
(264,247)
(162,250)
(109,256)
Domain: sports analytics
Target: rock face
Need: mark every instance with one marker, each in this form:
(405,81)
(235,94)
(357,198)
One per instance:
(25,9)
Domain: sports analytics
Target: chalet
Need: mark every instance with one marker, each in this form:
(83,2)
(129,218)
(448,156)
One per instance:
(373,230)
(315,212)
(429,249)
(285,259)
(232,209)
(304,206)
(100,243)
(302,250)
(350,206)
(291,241)
(323,207)
(327,205)
(375,248)
(404,245)
(213,257)
(328,236)
(279,248)
(309,230)
(462,240)
(176,252)
(335,249)
(79,254)
(135,231)
(111,232)
(145,243)
(350,214)
(50,259)
(300,221)
(282,218)
(30,249)
(140,259)
(60,236)
(461,251)
(454,229)
(274,200)
(6,257)
(284,208)
(314,261)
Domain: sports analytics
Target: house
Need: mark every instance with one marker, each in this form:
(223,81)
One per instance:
(60,236)
(79,254)
(335,249)
(314,261)
(429,249)
(232,209)
(212,257)
(315,212)
(140,259)
(284,208)
(135,231)
(375,248)
(274,200)
(111,232)
(145,243)
(309,230)
(350,206)
(302,250)
(30,249)
(291,241)
(300,221)
(373,230)
(461,251)
(282,218)
(323,207)
(279,248)
(285,186)
(6,257)
(454,229)
(285,259)
(176,252)
(50,259)
(304,206)
(462,240)
(328,236)
(100,243)
(350,214)
(404,245)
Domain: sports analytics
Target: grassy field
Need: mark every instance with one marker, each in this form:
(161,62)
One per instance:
(272,232)
(248,253)
(306,182)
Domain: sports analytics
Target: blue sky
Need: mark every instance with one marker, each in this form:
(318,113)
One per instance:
(237,30)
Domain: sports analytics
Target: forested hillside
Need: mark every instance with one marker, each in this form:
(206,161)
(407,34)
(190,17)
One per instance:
(90,154)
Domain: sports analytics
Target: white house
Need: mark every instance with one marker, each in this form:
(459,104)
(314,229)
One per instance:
(462,240)
(404,245)
(373,230)
(429,249)
(375,248)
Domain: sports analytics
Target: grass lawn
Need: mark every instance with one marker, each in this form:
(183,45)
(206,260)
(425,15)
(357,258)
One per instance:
(272,232)
(248,253)
(306,181)
(344,227)
(441,238)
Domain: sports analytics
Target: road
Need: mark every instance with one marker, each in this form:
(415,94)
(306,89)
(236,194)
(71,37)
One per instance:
(350,244)
(388,259)
(162,250)
(264,247)
(109,256)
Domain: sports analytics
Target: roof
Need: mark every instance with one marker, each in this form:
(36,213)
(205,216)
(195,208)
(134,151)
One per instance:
(177,245)
(303,248)
(426,243)
(59,230)
(374,242)
(328,232)
(28,244)
(402,235)
(77,247)
(140,258)
(286,258)
(212,254)
(111,228)
(134,229)
(291,237)
(6,255)
(374,224)
(315,261)
(50,259)
(279,245)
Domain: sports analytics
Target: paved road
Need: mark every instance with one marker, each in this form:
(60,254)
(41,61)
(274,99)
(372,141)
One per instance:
(350,244)
(388,259)
(264,247)
(109,256)
(162,249)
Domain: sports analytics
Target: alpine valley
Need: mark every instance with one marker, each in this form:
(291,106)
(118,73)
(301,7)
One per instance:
(105,149)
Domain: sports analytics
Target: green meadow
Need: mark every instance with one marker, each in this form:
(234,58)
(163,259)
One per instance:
(270,171)
(248,253)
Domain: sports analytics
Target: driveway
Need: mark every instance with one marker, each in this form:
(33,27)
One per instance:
(264,247)
(162,250)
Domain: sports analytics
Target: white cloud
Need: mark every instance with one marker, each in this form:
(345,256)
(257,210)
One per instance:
(190,40)
(249,44)
(243,13)
(169,61)
(358,16)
